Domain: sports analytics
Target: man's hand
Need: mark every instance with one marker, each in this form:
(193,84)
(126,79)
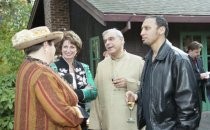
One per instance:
(120,82)
(130,94)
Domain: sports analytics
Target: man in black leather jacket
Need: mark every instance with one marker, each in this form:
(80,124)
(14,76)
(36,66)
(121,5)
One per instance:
(168,98)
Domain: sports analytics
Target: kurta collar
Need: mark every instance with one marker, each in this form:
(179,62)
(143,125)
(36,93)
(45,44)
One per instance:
(121,56)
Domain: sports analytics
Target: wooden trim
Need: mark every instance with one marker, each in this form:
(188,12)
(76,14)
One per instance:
(170,18)
(33,13)
(98,15)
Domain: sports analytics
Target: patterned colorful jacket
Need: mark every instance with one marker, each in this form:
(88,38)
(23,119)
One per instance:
(86,89)
(44,101)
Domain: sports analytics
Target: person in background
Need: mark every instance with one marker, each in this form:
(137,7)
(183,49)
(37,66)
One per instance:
(168,97)
(43,100)
(116,74)
(82,80)
(193,50)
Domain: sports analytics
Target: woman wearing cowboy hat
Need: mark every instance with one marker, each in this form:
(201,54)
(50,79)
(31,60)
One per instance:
(43,99)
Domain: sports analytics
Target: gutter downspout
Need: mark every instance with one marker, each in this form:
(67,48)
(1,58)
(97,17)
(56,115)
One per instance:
(128,24)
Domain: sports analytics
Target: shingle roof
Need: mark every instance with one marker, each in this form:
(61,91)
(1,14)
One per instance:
(178,11)
(175,7)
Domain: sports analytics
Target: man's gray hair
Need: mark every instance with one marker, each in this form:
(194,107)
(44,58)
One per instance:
(118,32)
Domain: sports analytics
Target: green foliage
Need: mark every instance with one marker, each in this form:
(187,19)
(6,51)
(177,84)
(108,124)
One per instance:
(14,16)
(7,95)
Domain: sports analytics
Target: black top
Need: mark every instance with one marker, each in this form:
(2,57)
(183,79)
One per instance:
(197,66)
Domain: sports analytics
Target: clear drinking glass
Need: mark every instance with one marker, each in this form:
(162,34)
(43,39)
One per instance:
(131,104)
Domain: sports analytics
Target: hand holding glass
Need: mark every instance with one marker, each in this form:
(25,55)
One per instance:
(114,77)
(131,104)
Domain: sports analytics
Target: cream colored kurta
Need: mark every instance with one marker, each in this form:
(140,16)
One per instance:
(109,111)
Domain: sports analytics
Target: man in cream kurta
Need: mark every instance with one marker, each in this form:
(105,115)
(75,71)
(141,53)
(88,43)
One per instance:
(115,75)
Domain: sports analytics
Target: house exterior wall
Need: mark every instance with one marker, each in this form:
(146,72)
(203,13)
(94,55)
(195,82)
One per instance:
(86,27)
(57,14)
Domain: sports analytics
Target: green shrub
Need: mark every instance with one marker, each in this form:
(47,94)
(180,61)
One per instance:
(7,94)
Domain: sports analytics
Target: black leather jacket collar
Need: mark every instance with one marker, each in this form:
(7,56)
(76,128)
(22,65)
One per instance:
(163,51)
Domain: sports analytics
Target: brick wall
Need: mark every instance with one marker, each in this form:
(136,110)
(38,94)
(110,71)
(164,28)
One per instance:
(57,14)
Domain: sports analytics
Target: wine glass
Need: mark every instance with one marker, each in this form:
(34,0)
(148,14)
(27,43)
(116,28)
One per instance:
(131,104)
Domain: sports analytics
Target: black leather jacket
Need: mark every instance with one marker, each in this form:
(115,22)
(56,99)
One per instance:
(173,96)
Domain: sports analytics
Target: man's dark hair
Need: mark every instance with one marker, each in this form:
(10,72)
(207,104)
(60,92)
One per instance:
(161,22)
(194,45)
(35,47)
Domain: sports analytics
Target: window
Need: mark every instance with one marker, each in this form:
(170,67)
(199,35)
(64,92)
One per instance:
(94,53)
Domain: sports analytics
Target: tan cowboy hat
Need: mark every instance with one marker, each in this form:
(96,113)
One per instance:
(27,38)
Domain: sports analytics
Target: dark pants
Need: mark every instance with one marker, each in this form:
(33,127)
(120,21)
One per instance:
(84,125)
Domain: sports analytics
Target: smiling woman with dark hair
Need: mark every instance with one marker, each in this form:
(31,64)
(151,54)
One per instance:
(82,80)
